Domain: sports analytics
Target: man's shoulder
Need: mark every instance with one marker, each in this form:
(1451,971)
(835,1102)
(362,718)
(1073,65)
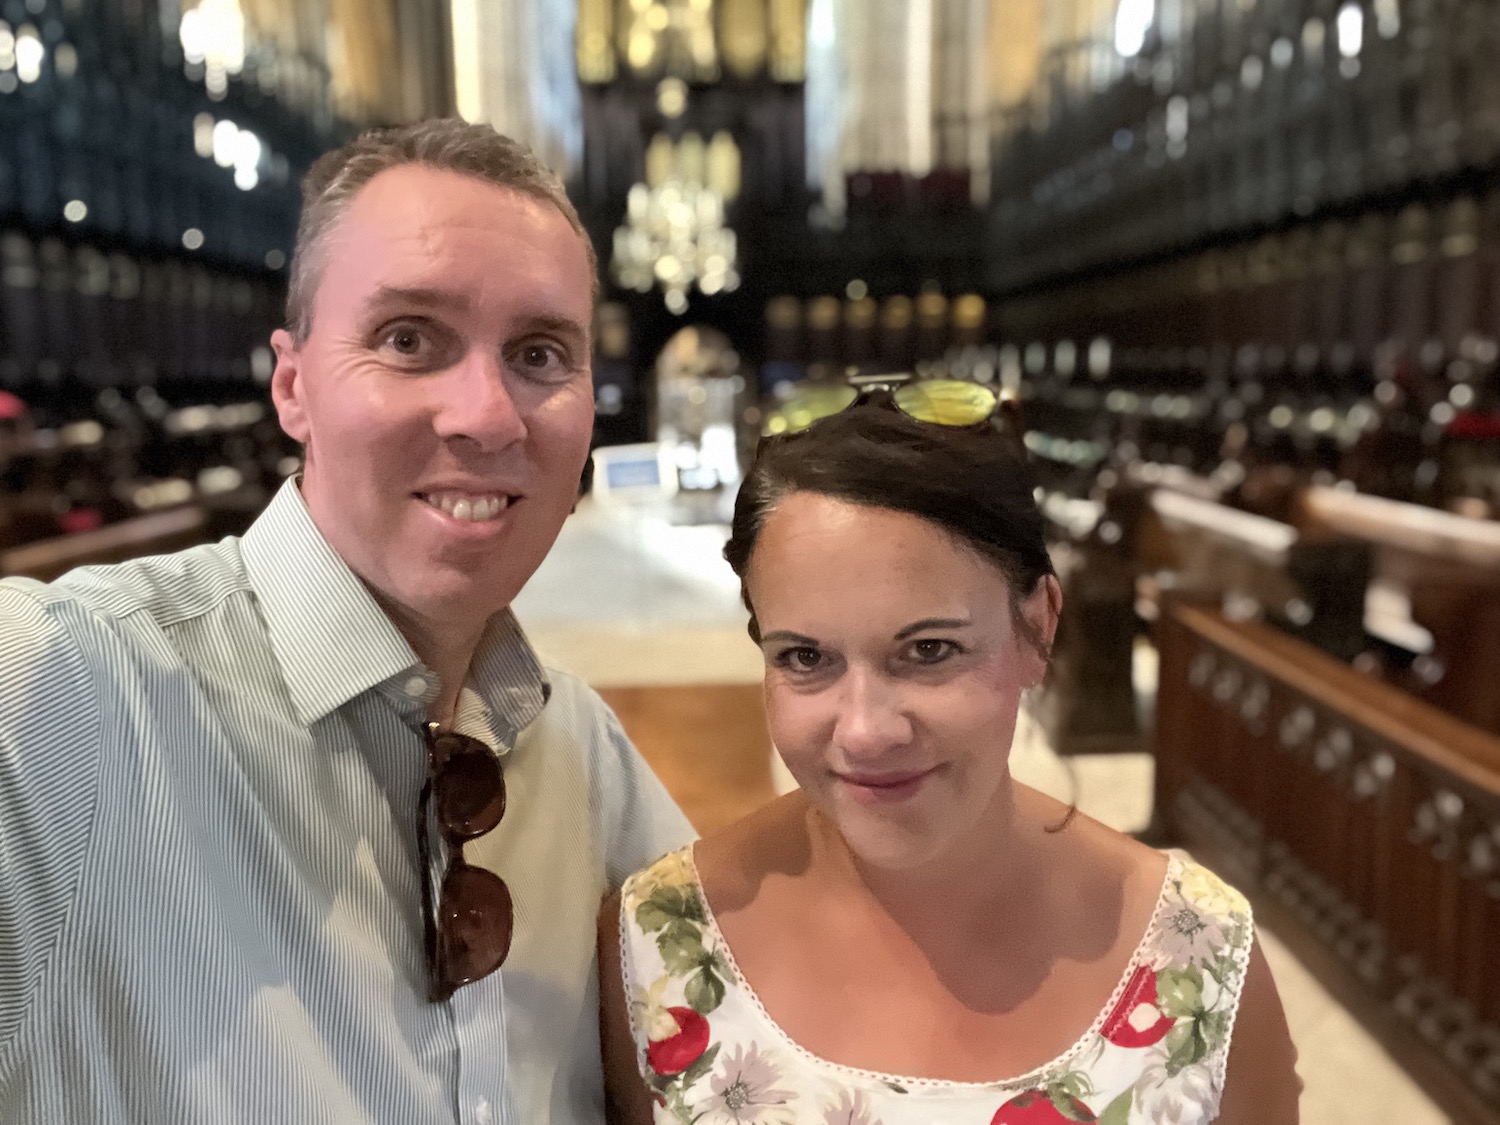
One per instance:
(167,588)
(575,707)
(567,689)
(634,813)
(577,722)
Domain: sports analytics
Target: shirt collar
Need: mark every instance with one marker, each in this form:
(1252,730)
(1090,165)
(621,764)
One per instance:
(334,642)
(509,683)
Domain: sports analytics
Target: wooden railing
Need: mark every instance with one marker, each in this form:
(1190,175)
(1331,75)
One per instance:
(1443,570)
(144,535)
(1370,816)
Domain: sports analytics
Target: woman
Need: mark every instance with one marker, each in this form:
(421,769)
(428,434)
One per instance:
(913,936)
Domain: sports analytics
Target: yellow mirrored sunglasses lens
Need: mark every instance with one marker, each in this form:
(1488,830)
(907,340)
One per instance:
(948,402)
(806,406)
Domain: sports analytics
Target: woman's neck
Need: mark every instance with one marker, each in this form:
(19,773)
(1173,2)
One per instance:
(972,886)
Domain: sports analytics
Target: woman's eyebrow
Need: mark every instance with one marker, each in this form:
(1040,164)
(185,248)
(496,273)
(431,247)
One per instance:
(783,636)
(933,623)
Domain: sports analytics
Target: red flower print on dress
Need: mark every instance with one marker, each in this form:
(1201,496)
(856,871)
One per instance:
(678,1049)
(1136,1020)
(1042,1107)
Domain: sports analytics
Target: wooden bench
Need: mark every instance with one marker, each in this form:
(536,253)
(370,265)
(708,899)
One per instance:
(1312,586)
(1365,816)
(1434,595)
(1162,531)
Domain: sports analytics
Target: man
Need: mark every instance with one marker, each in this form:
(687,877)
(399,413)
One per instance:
(251,813)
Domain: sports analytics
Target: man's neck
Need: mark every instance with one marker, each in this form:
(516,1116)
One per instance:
(448,649)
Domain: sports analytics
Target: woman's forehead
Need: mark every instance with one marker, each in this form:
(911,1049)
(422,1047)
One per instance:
(821,556)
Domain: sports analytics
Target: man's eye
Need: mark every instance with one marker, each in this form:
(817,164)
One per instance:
(542,359)
(410,341)
(407,341)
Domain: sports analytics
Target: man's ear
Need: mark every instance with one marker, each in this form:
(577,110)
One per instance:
(286,386)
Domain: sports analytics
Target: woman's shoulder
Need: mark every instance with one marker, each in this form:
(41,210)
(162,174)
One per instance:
(1184,910)
(732,863)
(1202,924)
(1196,886)
(671,873)
(726,867)
(1093,863)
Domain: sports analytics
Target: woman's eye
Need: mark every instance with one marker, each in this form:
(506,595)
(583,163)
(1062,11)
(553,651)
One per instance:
(801,659)
(932,651)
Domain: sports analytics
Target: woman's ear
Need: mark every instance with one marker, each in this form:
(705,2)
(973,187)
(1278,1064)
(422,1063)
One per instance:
(1041,610)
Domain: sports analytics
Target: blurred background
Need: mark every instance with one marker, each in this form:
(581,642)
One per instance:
(1238,262)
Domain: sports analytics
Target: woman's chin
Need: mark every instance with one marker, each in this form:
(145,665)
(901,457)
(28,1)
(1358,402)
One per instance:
(892,849)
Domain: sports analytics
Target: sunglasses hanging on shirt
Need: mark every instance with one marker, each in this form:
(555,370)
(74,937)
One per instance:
(468,934)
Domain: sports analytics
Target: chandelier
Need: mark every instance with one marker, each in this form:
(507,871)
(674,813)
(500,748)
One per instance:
(674,236)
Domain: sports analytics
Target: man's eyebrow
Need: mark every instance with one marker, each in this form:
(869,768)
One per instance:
(562,325)
(418,295)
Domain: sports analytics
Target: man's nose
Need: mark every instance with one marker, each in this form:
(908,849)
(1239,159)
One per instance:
(475,404)
(872,717)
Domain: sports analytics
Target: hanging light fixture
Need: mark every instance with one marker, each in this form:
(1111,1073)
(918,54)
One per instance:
(213,37)
(674,236)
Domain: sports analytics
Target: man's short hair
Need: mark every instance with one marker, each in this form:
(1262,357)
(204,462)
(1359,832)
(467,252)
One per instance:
(449,144)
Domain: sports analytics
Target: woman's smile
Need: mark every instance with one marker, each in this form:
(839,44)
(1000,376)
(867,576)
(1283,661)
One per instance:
(885,788)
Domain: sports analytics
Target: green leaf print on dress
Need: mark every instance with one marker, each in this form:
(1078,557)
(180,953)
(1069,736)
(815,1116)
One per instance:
(712,1055)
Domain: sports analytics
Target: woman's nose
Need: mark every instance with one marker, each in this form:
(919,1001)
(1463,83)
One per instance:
(872,717)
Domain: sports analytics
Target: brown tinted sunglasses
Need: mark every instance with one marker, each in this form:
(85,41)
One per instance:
(469,933)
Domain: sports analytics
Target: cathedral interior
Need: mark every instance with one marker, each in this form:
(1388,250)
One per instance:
(1237,263)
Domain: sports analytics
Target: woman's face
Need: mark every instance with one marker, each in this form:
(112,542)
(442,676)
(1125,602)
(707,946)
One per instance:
(894,670)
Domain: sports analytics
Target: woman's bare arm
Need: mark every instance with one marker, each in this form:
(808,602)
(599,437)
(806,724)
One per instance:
(1261,1086)
(626,1099)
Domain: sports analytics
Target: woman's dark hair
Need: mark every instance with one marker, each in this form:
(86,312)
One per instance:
(971,481)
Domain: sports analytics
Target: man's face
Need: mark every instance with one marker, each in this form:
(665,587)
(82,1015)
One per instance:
(444,393)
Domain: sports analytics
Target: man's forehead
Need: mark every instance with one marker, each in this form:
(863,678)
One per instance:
(416,195)
(430,235)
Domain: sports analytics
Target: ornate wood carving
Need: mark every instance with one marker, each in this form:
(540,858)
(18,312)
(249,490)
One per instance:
(1372,817)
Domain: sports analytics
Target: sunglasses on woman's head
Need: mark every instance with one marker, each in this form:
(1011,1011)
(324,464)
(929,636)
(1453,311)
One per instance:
(943,402)
(469,933)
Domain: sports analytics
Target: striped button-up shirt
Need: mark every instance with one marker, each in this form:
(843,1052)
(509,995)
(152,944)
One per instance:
(210,907)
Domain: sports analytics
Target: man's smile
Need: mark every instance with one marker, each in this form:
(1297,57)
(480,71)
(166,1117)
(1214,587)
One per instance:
(473,507)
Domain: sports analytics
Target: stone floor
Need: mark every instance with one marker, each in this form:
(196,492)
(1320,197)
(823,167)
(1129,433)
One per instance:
(646,610)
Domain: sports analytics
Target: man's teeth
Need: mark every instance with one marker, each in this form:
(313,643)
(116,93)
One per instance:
(474,509)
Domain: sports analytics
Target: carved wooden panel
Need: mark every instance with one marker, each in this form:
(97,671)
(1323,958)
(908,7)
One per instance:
(1373,818)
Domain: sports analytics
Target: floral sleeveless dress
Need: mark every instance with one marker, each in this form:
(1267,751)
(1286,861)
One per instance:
(711,1054)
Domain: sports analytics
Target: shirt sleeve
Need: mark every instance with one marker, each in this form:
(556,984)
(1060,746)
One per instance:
(646,822)
(50,741)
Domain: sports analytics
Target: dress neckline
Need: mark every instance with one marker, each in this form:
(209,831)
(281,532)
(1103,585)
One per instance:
(909,1082)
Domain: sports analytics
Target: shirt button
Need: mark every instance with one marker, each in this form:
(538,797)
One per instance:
(483,1112)
(416,687)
